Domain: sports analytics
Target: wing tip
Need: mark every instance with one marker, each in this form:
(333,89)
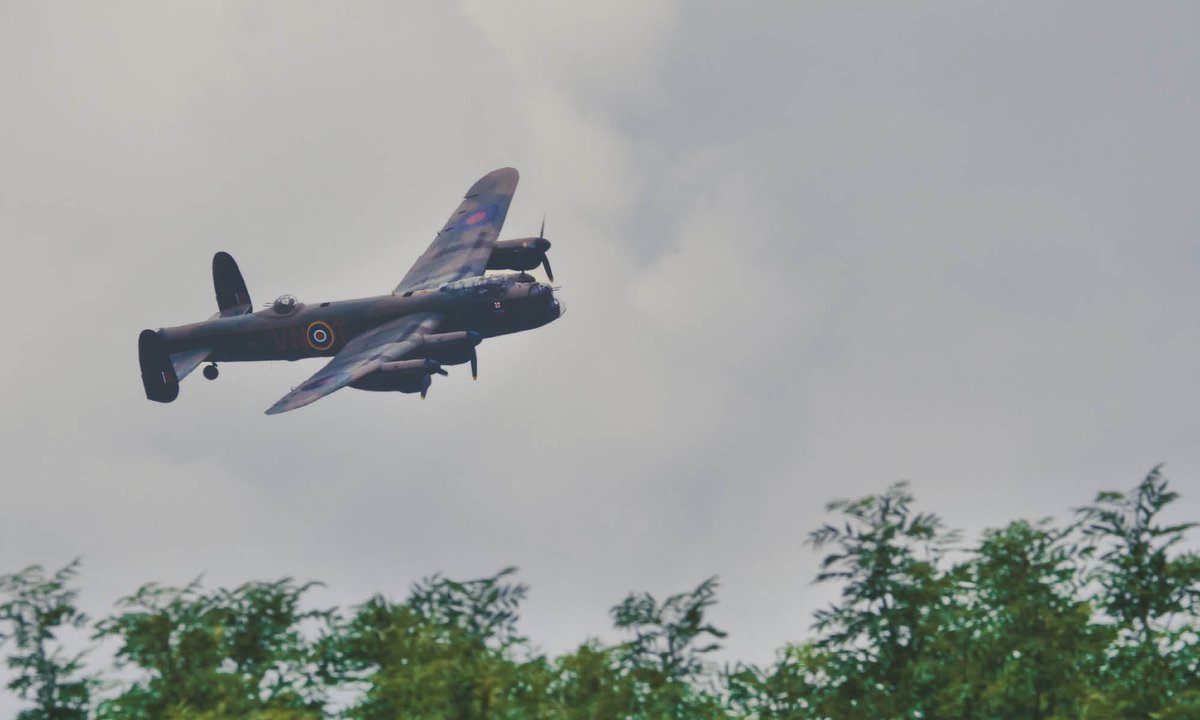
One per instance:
(291,401)
(502,180)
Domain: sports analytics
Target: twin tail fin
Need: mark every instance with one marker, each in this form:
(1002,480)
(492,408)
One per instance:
(232,296)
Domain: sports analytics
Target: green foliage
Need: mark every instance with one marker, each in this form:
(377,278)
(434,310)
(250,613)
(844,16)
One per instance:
(1024,644)
(788,690)
(1095,620)
(875,643)
(224,653)
(34,609)
(665,635)
(592,682)
(1151,596)
(448,652)
(484,609)
(664,659)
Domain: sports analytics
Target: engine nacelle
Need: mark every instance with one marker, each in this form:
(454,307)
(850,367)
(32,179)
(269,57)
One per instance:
(452,348)
(393,382)
(521,254)
(406,376)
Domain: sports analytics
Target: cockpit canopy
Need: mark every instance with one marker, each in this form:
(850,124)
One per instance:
(284,305)
(479,285)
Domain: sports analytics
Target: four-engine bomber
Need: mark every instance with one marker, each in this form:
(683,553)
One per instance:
(442,309)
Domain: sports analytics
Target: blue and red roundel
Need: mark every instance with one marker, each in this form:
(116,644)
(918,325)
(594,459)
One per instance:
(480,216)
(320,335)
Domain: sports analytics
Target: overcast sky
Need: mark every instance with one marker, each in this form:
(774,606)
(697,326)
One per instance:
(807,249)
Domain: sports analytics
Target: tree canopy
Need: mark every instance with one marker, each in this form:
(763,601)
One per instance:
(1097,617)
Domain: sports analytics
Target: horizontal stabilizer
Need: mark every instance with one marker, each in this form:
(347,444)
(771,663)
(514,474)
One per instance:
(188,360)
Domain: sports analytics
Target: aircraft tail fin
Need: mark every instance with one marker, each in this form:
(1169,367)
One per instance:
(232,296)
(158,372)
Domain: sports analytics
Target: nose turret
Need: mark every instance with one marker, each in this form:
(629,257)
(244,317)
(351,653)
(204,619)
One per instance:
(542,297)
(553,304)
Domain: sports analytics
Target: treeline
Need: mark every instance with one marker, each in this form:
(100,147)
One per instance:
(1096,618)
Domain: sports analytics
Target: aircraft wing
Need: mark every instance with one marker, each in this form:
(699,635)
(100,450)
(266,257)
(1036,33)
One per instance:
(464,245)
(362,356)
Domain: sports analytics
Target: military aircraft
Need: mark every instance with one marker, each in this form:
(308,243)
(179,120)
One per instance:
(441,310)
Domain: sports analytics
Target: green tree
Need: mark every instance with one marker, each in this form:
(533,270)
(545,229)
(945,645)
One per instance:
(591,683)
(1150,591)
(1099,620)
(450,651)
(783,691)
(1025,644)
(875,643)
(666,657)
(226,653)
(34,609)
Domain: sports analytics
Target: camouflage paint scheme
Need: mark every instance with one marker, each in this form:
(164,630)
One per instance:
(443,307)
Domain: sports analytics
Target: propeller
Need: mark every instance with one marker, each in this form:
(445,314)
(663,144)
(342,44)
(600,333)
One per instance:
(432,367)
(545,257)
(474,365)
(435,367)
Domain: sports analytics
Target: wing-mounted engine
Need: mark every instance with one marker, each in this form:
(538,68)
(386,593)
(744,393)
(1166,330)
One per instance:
(406,376)
(453,348)
(522,254)
(433,351)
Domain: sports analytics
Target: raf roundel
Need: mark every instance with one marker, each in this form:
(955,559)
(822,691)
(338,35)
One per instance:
(320,335)
(477,217)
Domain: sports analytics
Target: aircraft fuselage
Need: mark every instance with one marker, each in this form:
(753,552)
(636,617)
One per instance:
(322,329)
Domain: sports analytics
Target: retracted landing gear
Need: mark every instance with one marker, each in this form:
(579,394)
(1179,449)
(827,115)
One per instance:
(211,372)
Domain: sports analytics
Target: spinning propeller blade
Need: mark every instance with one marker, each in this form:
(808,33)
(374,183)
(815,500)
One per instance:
(545,257)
